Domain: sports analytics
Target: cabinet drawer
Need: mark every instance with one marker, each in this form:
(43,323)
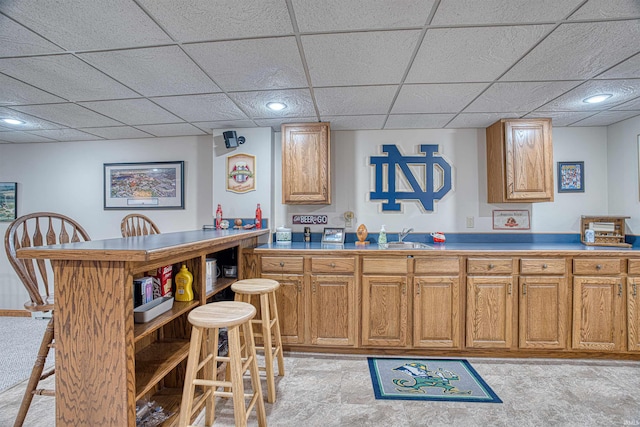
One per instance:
(333,265)
(291,264)
(634,266)
(542,266)
(490,266)
(437,265)
(385,266)
(597,266)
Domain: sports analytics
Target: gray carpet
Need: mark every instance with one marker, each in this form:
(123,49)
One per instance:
(19,343)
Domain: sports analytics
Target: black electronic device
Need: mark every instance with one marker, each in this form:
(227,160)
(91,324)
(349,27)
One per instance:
(231,139)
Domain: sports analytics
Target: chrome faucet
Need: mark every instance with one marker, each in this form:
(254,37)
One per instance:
(404,233)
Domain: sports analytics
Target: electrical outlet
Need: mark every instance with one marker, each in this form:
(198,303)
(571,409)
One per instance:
(470,222)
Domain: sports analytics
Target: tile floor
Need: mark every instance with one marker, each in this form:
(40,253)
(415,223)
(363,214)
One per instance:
(335,390)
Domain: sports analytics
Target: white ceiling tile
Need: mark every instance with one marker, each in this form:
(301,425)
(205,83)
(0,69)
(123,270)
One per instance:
(65,76)
(81,24)
(65,135)
(560,118)
(177,129)
(481,54)
(117,132)
(518,96)
(578,51)
(298,101)
(359,58)
(15,92)
(629,69)
(479,120)
(18,40)
(22,137)
(436,98)
(276,124)
(223,124)
(153,71)
(353,15)
(31,122)
(474,12)
(68,114)
(634,104)
(355,100)
(251,64)
(355,122)
(606,118)
(418,121)
(132,111)
(622,91)
(199,20)
(201,108)
(599,9)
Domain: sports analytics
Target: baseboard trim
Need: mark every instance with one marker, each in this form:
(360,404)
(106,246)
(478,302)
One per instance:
(14,313)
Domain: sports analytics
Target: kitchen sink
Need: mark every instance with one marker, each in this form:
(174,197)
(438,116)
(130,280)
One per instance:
(408,245)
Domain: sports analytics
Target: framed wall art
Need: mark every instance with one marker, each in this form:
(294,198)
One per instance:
(241,173)
(570,177)
(8,201)
(511,219)
(334,236)
(153,185)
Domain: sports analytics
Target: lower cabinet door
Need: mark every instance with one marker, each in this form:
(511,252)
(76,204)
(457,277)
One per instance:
(633,313)
(384,311)
(333,309)
(489,312)
(543,313)
(436,312)
(290,299)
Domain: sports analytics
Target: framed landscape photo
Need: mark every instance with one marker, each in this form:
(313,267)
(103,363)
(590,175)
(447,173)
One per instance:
(8,201)
(334,236)
(153,185)
(570,177)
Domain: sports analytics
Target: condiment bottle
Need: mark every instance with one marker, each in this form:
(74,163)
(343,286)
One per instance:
(382,238)
(218,216)
(258,217)
(184,284)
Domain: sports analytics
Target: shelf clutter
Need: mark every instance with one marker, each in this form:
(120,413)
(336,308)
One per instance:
(607,230)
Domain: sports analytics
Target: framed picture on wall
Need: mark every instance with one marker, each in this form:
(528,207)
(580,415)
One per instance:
(153,185)
(8,201)
(334,236)
(570,177)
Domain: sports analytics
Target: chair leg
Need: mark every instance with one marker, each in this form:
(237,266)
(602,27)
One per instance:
(276,333)
(255,375)
(192,370)
(36,374)
(235,362)
(268,349)
(210,372)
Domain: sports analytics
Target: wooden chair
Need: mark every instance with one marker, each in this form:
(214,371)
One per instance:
(39,229)
(137,225)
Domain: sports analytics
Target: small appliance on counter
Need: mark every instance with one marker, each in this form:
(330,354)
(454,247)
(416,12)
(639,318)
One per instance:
(283,235)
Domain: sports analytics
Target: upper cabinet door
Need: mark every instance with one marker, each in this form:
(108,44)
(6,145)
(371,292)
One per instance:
(520,161)
(306,169)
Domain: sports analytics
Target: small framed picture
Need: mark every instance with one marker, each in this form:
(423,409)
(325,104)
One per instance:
(570,177)
(8,201)
(333,236)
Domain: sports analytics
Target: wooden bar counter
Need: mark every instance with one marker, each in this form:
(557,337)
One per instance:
(105,363)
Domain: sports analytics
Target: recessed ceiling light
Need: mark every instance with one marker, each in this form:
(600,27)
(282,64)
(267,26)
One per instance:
(597,98)
(276,106)
(13,121)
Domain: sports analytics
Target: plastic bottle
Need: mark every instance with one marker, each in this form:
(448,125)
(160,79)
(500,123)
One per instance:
(382,237)
(184,285)
(218,216)
(258,217)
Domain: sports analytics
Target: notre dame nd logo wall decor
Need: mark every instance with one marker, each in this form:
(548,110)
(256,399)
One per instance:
(433,183)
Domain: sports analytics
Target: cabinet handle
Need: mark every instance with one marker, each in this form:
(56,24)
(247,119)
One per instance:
(524,289)
(299,287)
(333,265)
(619,289)
(404,289)
(313,288)
(634,290)
(418,289)
(281,263)
(509,291)
(598,267)
(491,266)
(544,266)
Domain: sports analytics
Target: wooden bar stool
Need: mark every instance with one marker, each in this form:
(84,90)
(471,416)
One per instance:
(271,339)
(207,321)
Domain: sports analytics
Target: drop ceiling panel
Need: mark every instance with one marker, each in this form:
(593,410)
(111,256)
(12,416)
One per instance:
(199,20)
(633,105)
(178,129)
(629,69)
(65,76)
(560,118)
(355,100)
(15,92)
(20,137)
(276,124)
(31,122)
(518,96)
(418,121)
(367,58)
(18,40)
(353,15)
(224,124)
(578,51)
(605,118)
(68,114)
(355,122)
(117,132)
(200,108)
(608,9)
(251,64)
(480,120)
(133,111)
(298,101)
(482,54)
(65,135)
(474,12)
(436,98)
(154,71)
(622,91)
(82,24)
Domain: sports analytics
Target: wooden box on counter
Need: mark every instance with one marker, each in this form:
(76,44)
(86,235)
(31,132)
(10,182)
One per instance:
(605,235)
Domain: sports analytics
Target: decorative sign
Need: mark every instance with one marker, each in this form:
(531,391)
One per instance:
(511,220)
(310,219)
(241,173)
(436,179)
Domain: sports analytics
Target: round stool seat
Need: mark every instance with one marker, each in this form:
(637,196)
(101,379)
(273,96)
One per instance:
(222,314)
(255,286)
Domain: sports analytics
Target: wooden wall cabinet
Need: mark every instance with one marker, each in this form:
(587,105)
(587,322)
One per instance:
(306,167)
(520,161)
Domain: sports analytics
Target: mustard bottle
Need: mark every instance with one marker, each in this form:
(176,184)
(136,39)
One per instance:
(184,284)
